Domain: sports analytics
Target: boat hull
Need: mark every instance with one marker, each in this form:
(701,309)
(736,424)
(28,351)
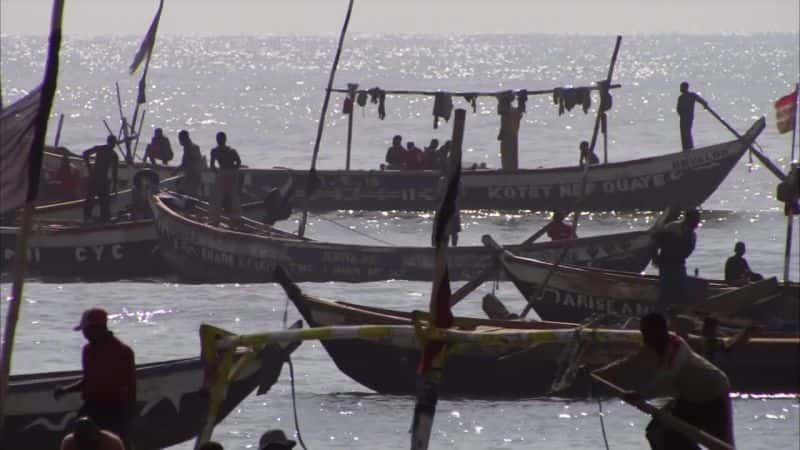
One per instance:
(171,402)
(202,253)
(101,252)
(759,366)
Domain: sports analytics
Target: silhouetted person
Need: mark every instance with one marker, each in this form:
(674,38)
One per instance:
(557,230)
(275,440)
(737,271)
(88,436)
(587,155)
(413,156)
(685,110)
(158,148)
(108,385)
(396,154)
(672,245)
(700,389)
(211,445)
(430,156)
(226,184)
(105,160)
(192,166)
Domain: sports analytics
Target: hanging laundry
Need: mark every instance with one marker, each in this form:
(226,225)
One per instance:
(442,107)
(522,100)
(472,100)
(347,107)
(377,95)
(504,100)
(605,96)
(568,98)
(361,100)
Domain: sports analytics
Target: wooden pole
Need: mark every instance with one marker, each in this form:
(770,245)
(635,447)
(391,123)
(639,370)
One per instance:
(688,430)
(35,161)
(761,157)
(351,87)
(787,253)
(312,173)
(464,93)
(139,132)
(124,123)
(577,212)
(58,130)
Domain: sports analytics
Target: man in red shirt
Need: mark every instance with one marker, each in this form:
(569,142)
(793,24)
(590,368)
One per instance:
(557,230)
(108,385)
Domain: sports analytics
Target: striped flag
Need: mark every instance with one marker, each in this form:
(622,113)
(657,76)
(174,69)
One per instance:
(17,129)
(144,54)
(786,112)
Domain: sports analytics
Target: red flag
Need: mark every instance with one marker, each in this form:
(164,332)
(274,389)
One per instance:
(17,129)
(786,112)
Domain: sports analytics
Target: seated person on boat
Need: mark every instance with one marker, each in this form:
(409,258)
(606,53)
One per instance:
(587,155)
(737,271)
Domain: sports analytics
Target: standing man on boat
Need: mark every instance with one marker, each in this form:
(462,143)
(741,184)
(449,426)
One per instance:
(685,110)
(108,385)
(667,365)
(105,160)
(557,230)
(671,246)
(192,166)
(226,184)
(510,118)
(395,155)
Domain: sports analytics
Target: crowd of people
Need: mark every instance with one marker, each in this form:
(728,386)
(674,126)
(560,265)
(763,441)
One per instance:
(411,157)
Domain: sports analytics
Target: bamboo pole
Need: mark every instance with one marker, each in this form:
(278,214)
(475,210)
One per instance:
(139,132)
(463,93)
(787,253)
(352,96)
(688,430)
(577,212)
(312,173)
(35,162)
(58,131)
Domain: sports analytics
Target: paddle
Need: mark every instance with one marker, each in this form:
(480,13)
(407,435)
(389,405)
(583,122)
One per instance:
(761,157)
(667,419)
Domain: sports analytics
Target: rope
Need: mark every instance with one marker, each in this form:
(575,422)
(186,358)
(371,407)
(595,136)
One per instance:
(291,380)
(358,232)
(599,414)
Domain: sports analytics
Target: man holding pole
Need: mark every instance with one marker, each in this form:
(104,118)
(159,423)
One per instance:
(685,110)
(700,389)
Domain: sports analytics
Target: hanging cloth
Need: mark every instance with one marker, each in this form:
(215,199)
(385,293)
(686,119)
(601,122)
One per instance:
(606,101)
(361,99)
(585,96)
(472,100)
(442,107)
(347,107)
(504,100)
(522,100)
(377,95)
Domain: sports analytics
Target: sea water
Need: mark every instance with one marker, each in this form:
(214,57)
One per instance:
(265,92)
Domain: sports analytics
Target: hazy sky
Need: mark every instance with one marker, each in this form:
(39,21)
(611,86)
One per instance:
(214,17)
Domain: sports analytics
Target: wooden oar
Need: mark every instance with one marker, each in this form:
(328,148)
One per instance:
(667,419)
(761,157)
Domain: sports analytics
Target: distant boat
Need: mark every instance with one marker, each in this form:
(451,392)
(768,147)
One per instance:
(171,401)
(199,252)
(684,179)
(573,294)
(763,365)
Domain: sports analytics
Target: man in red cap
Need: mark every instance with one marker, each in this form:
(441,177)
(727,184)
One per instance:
(108,385)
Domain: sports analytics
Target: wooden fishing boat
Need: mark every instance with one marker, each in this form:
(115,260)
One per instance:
(199,252)
(91,252)
(573,294)
(171,401)
(683,179)
(763,365)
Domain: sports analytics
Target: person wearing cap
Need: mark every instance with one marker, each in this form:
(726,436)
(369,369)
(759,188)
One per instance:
(108,385)
(88,435)
(105,160)
(275,440)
